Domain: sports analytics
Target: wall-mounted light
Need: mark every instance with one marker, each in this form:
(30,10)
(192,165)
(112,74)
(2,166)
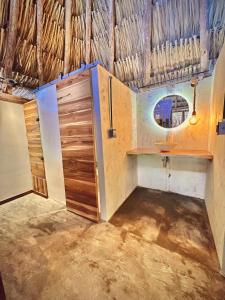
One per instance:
(193,119)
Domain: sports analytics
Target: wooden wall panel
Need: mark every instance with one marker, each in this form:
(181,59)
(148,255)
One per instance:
(35,148)
(75,105)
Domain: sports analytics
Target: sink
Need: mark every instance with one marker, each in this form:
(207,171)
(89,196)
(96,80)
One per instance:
(165,147)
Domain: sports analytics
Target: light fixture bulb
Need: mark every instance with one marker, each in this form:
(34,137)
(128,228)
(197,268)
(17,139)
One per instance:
(193,119)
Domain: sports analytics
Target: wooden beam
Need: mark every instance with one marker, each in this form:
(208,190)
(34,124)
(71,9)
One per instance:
(148,40)
(88,32)
(68,15)
(39,40)
(11,37)
(13,99)
(111,35)
(204,35)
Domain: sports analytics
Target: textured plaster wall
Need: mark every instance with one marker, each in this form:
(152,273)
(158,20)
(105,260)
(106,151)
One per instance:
(215,195)
(15,174)
(186,136)
(119,169)
(183,175)
(51,144)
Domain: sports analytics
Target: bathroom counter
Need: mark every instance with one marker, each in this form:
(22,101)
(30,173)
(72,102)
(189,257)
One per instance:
(204,154)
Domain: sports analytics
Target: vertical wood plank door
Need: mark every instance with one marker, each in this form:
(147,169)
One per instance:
(75,106)
(35,148)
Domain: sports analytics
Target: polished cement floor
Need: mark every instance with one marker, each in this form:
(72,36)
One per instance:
(157,246)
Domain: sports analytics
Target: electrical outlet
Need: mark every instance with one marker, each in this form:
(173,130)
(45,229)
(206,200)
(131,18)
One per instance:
(220,130)
(111,133)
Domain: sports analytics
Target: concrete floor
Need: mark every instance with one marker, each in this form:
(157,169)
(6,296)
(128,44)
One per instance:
(157,246)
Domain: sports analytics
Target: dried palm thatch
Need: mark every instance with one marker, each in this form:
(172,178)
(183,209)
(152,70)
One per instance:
(77,51)
(129,40)
(4,9)
(130,68)
(174,19)
(164,59)
(217,27)
(175,39)
(129,33)
(53,66)
(99,23)
(217,14)
(100,49)
(24,80)
(53,38)
(217,38)
(27,21)
(175,48)
(78,7)
(129,37)
(100,32)
(26,58)
(55,10)
(126,8)
(78,27)
(2,43)
(169,56)
(25,54)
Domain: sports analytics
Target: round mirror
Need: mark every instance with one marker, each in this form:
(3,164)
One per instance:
(171,111)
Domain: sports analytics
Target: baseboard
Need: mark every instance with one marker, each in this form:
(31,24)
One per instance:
(15,197)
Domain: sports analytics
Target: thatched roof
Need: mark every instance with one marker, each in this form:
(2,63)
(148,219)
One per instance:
(144,42)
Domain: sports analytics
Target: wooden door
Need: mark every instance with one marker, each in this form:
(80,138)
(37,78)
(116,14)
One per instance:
(75,106)
(35,148)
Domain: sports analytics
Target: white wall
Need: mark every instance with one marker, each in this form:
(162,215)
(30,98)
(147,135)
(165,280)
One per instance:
(15,174)
(215,195)
(186,176)
(183,175)
(51,144)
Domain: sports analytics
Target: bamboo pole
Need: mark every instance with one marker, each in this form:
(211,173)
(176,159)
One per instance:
(39,41)
(111,35)
(68,14)
(147,46)
(88,32)
(204,35)
(11,40)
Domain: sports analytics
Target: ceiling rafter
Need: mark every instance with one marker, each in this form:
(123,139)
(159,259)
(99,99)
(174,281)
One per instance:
(11,37)
(68,15)
(204,35)
(39,40)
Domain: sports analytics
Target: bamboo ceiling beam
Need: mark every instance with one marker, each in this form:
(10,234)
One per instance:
(171,82)
(13,99)
(68,15)
(204,35)
(111,35)
(11,37)
(39,40)
(88,31)
(148,40)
